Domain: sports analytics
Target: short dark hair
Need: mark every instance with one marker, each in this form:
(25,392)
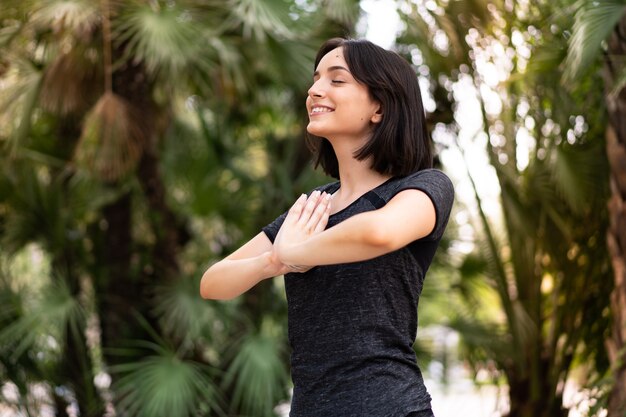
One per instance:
(400,143)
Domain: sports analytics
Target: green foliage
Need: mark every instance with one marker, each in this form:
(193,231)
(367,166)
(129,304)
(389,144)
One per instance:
(42,321)
(257,373)
(545,257)
(131,188)
(165,37)
(199,143)
(163,384)
(593,24)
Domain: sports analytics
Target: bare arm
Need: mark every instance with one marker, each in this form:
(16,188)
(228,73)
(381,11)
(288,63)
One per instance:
(253,262)
(240,271)
(408,216)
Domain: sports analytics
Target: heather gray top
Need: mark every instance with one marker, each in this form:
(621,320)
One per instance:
(352,326)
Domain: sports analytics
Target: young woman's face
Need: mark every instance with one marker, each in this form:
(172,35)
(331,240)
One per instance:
(337,104)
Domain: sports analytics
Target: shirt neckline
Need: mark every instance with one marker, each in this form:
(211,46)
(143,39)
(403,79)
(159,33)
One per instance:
(336,186)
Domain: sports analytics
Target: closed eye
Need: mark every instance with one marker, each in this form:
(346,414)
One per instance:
(338,82)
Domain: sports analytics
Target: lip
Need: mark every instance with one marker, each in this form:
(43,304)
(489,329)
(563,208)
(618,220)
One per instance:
(319,106)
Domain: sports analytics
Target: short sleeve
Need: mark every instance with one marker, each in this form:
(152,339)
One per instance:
(438,187)
(271,230)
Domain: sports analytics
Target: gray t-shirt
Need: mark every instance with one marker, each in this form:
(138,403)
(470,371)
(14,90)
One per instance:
(352,326)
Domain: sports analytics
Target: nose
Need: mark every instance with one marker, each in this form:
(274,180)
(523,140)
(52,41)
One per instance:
(316,90)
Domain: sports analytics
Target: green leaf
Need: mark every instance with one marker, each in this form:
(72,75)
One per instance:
(578,170)
(343,11)
(77,16)
(259,18)
(166,39)
(594,22)
(45,322)
(164,385)
(183,313)
(257,375)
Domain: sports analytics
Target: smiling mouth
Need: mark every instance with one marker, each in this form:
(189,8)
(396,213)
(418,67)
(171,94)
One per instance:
(321,110)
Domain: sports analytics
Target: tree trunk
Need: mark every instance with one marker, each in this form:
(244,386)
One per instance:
(77,367)
(616,239)
(546,402)
(76,364)
(126,284)
(116,289)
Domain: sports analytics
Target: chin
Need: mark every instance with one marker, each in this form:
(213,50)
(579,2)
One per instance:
(317,132)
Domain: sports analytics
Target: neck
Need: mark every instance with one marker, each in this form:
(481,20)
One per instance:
(357,177)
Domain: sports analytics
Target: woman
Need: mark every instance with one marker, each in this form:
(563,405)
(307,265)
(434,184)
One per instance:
(354,251)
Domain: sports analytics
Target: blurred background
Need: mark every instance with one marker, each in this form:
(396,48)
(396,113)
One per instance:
(142,140)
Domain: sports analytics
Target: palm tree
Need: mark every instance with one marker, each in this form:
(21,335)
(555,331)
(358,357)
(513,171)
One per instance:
(551,192)
(598,23)
(143,116)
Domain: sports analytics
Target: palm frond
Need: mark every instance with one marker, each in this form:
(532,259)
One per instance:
(71,82)
(36,212)
(112,140)
(580,172)
(46,210)
(471,282)
(166,39)
(44,321)
(258,18)
(231,78)
(80,17)
(293,59)
(184,314)
(18,99)
(345,12)
(8,32)
(593,23)
(479,336)
(257,375)
(545,58)
(164,385)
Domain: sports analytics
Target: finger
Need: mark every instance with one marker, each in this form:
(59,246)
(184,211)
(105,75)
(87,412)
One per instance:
(296,210)
(321,224)
(309,207)
(318,213)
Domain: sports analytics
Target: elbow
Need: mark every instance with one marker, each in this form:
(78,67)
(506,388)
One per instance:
(379,237)
(204,290)
(210,291)
(205,287)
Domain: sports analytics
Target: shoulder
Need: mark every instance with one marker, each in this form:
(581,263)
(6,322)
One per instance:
(430,181)
(432,176)
(435,183)
(436,186)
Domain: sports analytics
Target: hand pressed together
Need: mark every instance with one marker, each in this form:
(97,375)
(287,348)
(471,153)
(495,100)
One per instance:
(306,218)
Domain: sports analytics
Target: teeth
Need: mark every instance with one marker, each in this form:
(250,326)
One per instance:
(320,110)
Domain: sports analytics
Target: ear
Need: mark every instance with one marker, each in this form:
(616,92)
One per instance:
(377,117)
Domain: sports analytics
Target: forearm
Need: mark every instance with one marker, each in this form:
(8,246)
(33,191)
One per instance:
(355,239)
(230,278)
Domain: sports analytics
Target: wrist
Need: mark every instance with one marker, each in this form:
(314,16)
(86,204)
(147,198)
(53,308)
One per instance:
(288,255)
(271,266)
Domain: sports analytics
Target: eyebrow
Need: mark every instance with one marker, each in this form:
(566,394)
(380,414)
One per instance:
(333,68)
